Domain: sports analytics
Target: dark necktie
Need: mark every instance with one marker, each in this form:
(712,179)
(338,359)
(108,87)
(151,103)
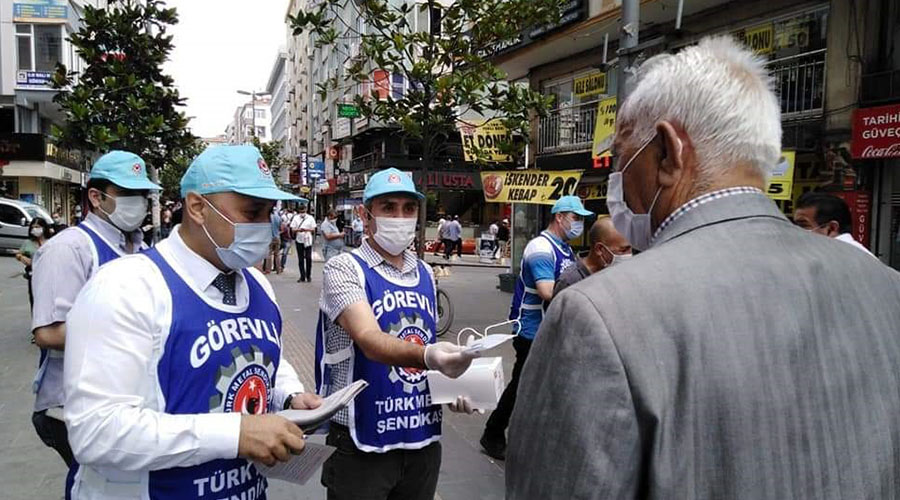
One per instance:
(225,284)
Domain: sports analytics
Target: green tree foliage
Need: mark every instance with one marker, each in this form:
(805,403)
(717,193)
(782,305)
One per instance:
(122,99)
(451,76)
(271,153)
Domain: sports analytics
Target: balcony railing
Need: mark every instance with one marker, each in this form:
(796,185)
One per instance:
(800,84)
(567,129)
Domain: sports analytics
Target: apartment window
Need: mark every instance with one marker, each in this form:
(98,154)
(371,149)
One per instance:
(39,46)
(260,131)
(260,113)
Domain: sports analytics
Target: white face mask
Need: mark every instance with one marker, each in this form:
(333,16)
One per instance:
(249,246)
(636,228)
(37,232)
(394,234)
(129,213)
(616,258)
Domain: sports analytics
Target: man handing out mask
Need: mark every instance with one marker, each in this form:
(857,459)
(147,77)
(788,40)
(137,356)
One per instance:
(173,357)
(377,323)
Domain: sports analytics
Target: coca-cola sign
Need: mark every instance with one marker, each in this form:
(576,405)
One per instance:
(876,132)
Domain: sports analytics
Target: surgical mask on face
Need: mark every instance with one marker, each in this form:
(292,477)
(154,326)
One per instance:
(576,227)
(37,232)
(129,213)
(394,234)
(616,258)
(636,228)
(250,245)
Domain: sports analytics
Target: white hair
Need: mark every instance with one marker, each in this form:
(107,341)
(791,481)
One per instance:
(721,94)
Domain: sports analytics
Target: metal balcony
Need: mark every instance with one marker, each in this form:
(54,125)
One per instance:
(567,129)
(800,84)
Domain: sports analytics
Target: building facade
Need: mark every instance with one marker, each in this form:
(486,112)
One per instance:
(33,39)
(807,46)
(254,114)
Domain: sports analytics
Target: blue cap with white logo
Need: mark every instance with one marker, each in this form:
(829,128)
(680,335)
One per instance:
(124,169)
(390,181)
(232,169)
(570,204)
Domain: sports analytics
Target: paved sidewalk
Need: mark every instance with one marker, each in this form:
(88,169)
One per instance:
(29,470)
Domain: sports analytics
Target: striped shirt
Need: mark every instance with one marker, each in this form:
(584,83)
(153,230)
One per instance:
(342,287)
(702,200)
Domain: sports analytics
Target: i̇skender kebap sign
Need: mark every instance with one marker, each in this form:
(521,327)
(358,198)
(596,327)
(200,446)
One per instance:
(529,186)
(876,132)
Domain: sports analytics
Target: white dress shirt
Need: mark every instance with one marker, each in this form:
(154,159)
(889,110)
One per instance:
(116,331)
(848,238)
(304,225)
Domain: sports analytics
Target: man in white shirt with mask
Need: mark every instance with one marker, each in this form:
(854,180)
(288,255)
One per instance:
(173,357)
(377,323)
(117,195)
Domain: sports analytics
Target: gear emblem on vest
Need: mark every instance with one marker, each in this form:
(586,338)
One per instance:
(245,385)
(410,331)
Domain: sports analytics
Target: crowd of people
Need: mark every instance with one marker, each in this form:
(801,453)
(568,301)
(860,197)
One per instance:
(704,345)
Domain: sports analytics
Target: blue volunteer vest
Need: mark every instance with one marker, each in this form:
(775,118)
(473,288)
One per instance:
(527,305)
(395,410)
(104,253)
(216,361)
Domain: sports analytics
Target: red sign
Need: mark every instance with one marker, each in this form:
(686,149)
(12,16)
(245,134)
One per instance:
(382,82)
(449,180)
(876,132)
(860,203)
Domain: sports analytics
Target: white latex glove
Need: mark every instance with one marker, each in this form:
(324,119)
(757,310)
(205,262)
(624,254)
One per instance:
(464,405)
(448,359)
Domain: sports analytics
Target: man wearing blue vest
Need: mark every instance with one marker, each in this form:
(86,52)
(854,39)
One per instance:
(117,193)
(544,259)
(377,323)
(173,357)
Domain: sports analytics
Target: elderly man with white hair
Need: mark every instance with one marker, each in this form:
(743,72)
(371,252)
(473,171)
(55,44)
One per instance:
(736,357)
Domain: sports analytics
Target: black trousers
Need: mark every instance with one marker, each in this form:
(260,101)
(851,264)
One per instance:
(304,257)
(351,474)
(54,434)
(448,248)
(499,419)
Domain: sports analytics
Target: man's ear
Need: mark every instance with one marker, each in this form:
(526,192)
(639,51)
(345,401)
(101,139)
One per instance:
(671,165)
(834,229)
(195,208)
(95,197)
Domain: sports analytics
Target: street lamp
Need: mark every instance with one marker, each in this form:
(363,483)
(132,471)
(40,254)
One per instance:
(253,95)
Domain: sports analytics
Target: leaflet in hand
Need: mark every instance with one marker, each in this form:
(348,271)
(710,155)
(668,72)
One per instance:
(299,468)
(309,420)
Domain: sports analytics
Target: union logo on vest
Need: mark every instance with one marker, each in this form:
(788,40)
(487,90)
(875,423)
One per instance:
(243,386)
(410,331)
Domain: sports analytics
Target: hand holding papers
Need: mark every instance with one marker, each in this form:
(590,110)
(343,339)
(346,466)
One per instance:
(309,420)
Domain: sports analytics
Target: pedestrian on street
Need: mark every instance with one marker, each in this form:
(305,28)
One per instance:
(303,226)
(334,237)
(737,356)
(493,229)
(117,194)
(285,236)
(608,248)
(272,261)
(38,232)
(544,259)
(57,227)
(502,239)
(451,237)
(388,441)
(173,357)
(357,227)
(827,215)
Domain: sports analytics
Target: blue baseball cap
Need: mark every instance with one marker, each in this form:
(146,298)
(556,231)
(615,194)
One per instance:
(570,204)
(232,169)
(124,169)
(390,181)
